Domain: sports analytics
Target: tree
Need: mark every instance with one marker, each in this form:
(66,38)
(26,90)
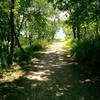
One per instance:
(81,14)
(12,27)
(30,17)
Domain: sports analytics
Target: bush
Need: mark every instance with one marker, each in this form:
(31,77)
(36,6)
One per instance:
(39,44)
(87,51)
(36,47)
(69,43)
(20,56)
(30,51)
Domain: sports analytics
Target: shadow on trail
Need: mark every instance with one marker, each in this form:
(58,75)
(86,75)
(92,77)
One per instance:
(53,77)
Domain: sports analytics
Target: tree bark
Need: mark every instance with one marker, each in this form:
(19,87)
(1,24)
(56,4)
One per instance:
(17,40)
(12,27)
(18,32)
(78,27)
(97,12)
(78,32)
(74,31)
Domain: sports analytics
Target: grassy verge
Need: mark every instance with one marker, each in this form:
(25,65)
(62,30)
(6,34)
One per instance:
(23,61)
(86,53)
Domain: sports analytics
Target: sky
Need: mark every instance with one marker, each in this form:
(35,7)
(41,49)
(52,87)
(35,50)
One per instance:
(60,34)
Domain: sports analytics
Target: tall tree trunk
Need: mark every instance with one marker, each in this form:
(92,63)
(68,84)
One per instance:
(97,32)
(85,29)
(30,39)
(12,27)
(19,45)
(74,31)
(18,33)
(97,12)
(78,27)
(78,32)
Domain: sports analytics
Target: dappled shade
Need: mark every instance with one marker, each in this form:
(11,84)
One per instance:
(52,77)
(34,62)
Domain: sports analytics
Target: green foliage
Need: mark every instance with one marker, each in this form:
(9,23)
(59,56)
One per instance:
(69,42)
(80,14)
(39,44)
(87,51)
(30,51)
(19,56)
(29,20)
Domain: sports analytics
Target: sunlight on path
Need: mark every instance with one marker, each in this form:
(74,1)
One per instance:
(56,47)
(51,58)
(52,77)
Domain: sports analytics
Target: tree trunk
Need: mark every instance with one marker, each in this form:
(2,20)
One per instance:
(78,32)
(97,32)
(12,27)
(97,12)
(18,33)
(17,40)
(74,32)
(30,39)
(85,32)
(97,26)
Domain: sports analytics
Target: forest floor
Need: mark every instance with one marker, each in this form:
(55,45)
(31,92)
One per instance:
(53,76)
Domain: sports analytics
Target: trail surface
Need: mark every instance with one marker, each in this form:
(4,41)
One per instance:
(50,59)
(53,77)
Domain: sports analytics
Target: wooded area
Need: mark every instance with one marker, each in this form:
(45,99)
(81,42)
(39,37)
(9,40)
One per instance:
(28,27)
(23,21)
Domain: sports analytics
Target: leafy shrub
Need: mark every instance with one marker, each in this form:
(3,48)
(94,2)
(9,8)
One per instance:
(69,43)
(20,56)
(87,51)
(37,45)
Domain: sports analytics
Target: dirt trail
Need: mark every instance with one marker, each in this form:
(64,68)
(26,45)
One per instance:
(51,59)
(52,77)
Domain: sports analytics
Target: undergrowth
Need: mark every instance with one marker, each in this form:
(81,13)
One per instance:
(85,52)
(31,52)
